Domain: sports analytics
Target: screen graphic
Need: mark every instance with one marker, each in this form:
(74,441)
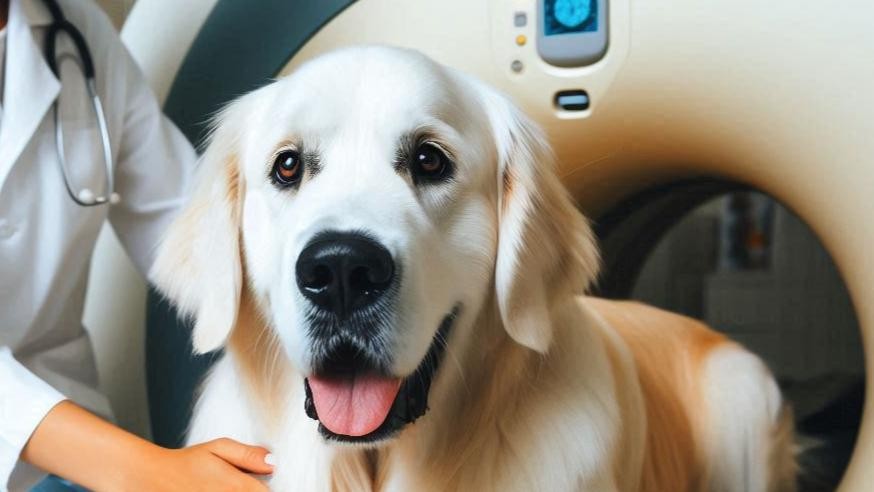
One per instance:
(570,16)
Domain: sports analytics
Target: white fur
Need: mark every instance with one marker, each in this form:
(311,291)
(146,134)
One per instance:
(526,398)
(744,401)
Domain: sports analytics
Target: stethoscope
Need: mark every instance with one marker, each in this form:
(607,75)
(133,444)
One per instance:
(85,196)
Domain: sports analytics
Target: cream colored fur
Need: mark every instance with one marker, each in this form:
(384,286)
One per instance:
(539,389)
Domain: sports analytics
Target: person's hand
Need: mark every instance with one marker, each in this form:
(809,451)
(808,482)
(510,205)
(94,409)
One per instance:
(74,444)
(222,464)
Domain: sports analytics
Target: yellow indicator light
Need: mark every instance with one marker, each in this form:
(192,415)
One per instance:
(521,40)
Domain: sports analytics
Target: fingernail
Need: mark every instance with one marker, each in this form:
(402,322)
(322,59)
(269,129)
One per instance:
(269,459)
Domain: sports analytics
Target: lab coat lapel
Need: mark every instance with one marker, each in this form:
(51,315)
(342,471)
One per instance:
(31,87)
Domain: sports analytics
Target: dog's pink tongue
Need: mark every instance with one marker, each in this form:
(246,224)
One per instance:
(353,406)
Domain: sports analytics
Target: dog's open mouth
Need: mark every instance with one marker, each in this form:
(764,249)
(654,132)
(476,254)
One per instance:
(353,404)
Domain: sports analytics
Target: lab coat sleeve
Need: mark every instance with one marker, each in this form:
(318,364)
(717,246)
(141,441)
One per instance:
(24,401)
(155,162)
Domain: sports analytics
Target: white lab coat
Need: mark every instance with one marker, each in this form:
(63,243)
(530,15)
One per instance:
(45,238)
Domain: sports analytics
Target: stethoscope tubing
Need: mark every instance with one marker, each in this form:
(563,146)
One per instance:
(85,197)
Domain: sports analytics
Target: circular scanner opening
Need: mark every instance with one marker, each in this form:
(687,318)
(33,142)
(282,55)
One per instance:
(747,266)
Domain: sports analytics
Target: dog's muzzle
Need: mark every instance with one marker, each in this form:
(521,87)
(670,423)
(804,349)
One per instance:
(356,402)
(351,283)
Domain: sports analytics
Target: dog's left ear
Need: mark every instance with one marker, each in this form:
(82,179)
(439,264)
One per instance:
(546,249)
(198,265)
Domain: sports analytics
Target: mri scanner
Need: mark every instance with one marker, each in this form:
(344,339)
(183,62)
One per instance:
(641,100)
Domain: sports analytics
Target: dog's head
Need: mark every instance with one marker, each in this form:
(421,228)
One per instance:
(370,203)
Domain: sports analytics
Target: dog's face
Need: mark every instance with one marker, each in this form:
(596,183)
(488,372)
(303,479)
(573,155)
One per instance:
(374,199)
(369,222)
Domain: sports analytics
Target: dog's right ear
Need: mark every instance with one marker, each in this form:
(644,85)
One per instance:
(198,264)
(546,249)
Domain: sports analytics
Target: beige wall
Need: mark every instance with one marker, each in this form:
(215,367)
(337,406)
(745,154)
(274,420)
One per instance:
(117,10)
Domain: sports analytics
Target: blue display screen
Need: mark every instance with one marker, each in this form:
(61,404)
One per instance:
(570,16)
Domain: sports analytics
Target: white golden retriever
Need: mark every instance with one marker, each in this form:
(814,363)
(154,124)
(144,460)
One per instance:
(382,246)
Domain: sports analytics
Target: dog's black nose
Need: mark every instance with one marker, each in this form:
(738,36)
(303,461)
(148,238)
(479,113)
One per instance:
(343,272)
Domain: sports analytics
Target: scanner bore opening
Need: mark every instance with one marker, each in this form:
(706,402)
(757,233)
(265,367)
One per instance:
(668,246)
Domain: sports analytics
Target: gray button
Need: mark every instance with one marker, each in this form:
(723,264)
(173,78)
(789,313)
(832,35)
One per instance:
(520,19)
(516,66)
(573,100)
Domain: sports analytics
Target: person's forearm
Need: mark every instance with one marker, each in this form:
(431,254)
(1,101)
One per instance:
(74,444)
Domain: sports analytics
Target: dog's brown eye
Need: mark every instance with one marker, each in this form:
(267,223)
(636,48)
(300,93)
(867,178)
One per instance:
(287,168)
(430,163)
